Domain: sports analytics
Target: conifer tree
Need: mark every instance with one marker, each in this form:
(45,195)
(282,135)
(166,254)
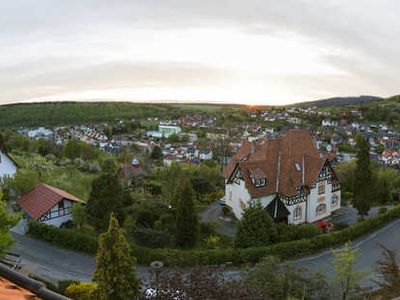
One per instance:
(115,266)
(108,195)
(362,178)
(186,218)
(256,228)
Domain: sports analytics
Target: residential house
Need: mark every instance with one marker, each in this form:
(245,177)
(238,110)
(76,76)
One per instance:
(47,204)
(288,175)
(8,167)
(132,174)
(205,154)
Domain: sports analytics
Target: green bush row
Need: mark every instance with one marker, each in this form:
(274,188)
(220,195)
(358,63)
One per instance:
(175,257)
(63,237)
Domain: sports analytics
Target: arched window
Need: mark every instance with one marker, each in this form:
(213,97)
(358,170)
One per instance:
(334,200)
(321,209)
(297,212)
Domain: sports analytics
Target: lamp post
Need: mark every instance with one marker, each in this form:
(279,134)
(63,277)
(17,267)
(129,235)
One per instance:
(156,267)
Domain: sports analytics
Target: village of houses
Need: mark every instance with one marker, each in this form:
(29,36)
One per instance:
(289,169)
(325,139)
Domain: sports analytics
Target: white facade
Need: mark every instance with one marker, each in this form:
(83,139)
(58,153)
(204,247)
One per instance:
(59,214)
(319,203)
(7,166)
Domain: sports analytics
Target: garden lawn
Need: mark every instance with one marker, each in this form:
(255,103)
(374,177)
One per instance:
(72,180)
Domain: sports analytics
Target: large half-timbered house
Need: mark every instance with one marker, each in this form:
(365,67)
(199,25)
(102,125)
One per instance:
(291,179)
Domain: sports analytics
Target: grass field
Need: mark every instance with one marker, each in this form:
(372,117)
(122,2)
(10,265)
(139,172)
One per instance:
(71,180)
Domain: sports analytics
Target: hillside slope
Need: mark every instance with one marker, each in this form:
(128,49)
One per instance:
(340,101)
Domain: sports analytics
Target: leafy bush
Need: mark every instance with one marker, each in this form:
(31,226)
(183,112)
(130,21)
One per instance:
(64,284)
(152,238)
(207,228)
(382,210)
(90,167)
(212,242)
(306,231)
(82,291)
(63,237)
(340,226)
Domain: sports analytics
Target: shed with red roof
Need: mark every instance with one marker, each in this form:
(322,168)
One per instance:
(49,205)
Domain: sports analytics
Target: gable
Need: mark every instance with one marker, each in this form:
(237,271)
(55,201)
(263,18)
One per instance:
(287,163)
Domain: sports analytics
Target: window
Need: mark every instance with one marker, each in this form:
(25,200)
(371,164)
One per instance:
(334,200)
(297,212)
(321,188)
(61,205)
(321,209)
(259,182)
(297,167)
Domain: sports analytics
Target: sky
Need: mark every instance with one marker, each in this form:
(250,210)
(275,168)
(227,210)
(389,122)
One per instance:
(268,52)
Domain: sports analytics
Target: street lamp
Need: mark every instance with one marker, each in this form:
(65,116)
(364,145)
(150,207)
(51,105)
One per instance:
(156,267)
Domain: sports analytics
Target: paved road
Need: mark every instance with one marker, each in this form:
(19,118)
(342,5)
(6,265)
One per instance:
(53,264)
(212,214)
(369,253)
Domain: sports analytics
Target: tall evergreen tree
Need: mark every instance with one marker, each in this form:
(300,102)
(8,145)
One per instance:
(115,266)
(256,228)
(362,178)
(108,195)
(186,218)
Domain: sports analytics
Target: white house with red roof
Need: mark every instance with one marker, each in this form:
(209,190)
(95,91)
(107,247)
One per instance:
(8,167)
(291,179)
(47,204)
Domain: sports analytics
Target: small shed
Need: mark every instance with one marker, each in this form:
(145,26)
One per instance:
(49,205)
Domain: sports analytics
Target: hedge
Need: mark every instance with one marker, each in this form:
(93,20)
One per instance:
(71,239)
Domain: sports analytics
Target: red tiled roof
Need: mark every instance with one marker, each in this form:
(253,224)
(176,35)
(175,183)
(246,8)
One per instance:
(288,162)
(11,291)
(42,198)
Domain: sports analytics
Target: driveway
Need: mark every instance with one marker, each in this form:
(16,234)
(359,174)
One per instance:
(348,214)
(212,214)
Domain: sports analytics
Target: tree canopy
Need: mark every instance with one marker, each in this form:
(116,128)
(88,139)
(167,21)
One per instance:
(256,228)
(108,195)
(115,266)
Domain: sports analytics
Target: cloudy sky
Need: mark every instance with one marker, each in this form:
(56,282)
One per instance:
(243,51)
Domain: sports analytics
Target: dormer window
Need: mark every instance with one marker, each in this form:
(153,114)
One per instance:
(259,182)
(297,166)
(258,177)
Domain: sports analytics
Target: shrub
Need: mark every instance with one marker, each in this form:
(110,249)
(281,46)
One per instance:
(207,228)
(64,284)
(152,238)
(306,231)
(340,226)
(63,237)
(82,291)
(382,210)
(74,240)
(212,242)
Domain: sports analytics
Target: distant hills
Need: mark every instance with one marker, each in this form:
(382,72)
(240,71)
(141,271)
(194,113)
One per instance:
(340,101)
